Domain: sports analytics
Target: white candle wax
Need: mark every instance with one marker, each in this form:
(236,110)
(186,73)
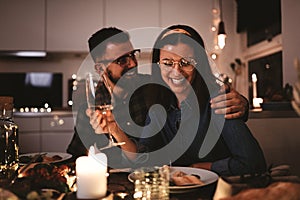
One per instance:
(91,176)
(254,80)
(257,102)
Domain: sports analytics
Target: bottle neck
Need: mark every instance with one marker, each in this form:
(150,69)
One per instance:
(6,111)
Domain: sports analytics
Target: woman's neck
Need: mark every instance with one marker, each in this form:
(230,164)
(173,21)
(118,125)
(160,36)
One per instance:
(181,98)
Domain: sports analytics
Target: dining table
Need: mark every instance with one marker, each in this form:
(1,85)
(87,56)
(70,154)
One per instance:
(120,187)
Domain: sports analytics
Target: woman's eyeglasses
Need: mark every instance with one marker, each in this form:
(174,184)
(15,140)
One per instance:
(185,64)
(123,61)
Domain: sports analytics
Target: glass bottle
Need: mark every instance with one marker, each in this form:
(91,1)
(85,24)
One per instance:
(9,144)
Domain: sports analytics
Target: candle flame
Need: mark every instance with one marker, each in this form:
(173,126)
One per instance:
(254,77)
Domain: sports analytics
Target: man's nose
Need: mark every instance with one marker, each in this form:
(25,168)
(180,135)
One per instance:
(177,67)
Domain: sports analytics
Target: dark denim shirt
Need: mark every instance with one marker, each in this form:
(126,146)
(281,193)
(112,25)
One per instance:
(231,148)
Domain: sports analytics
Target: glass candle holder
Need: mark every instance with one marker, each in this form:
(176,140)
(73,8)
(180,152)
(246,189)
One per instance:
(151,183)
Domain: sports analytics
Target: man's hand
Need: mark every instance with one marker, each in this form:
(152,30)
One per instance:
(232,104)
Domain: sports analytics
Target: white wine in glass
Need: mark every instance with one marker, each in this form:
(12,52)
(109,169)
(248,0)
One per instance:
(99,97)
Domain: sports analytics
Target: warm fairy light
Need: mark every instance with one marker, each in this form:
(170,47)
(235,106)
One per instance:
(221,40)
(213,28)
(74,76)
(213,56)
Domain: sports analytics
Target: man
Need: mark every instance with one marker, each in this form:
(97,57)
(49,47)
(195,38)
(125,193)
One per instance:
(114,57)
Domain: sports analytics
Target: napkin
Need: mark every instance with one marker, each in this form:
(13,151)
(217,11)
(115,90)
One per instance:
(232,185)
(277,190)
(5,194)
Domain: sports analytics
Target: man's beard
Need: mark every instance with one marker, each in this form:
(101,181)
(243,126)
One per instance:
(115,80)
(122,89)
(112,78)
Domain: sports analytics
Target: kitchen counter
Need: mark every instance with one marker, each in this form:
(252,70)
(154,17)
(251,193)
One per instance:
(273,114)
(278,134)
(65,112)
(253,114)
(39,131)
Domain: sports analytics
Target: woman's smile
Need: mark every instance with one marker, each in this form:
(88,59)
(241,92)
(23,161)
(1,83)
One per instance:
(177,81)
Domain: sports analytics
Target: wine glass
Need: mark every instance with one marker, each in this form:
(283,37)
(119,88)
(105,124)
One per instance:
(99,97)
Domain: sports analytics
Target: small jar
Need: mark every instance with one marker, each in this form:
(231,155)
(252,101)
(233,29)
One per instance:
(151,183)
(9,143)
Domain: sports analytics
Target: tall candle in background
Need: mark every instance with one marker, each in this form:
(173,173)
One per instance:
(91,176)
(254,80)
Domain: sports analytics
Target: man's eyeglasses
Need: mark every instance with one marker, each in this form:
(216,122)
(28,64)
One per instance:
(123,61)
(185,64)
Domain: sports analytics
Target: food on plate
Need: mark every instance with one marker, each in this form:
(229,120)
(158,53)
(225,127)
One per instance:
(180,178)
(51,158)
(40,177)
(43,157)
(277,190)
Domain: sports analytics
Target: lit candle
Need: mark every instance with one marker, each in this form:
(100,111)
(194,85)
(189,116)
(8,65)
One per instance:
(257,102)
(254,80)
(91,175)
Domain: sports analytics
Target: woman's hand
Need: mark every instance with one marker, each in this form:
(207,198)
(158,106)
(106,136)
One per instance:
(104,123)
(99,121)
(232,104)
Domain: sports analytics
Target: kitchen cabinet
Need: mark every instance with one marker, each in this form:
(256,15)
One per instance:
(39,132)
(29,134)
(22,25)
(66,25)
(71,22)
(51,25)
(132,14)
(197,14)
(57,132)
(172,12)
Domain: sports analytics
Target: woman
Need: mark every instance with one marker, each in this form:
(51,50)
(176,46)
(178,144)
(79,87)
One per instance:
(186,131)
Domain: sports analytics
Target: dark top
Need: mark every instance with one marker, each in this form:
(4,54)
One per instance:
(188,137)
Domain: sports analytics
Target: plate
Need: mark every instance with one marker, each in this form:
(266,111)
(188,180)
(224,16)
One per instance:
(64,156)
(5,194)
(208,177)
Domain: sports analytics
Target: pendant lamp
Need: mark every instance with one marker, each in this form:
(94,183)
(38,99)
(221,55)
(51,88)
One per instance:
(221,29)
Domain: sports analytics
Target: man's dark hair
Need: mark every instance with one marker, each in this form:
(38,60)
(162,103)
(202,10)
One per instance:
(99,40)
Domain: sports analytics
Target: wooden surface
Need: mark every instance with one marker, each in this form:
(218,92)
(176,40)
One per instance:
(118,183)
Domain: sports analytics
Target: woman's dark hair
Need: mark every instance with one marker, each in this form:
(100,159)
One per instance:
(99,40)
(167,37)
(204,81)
